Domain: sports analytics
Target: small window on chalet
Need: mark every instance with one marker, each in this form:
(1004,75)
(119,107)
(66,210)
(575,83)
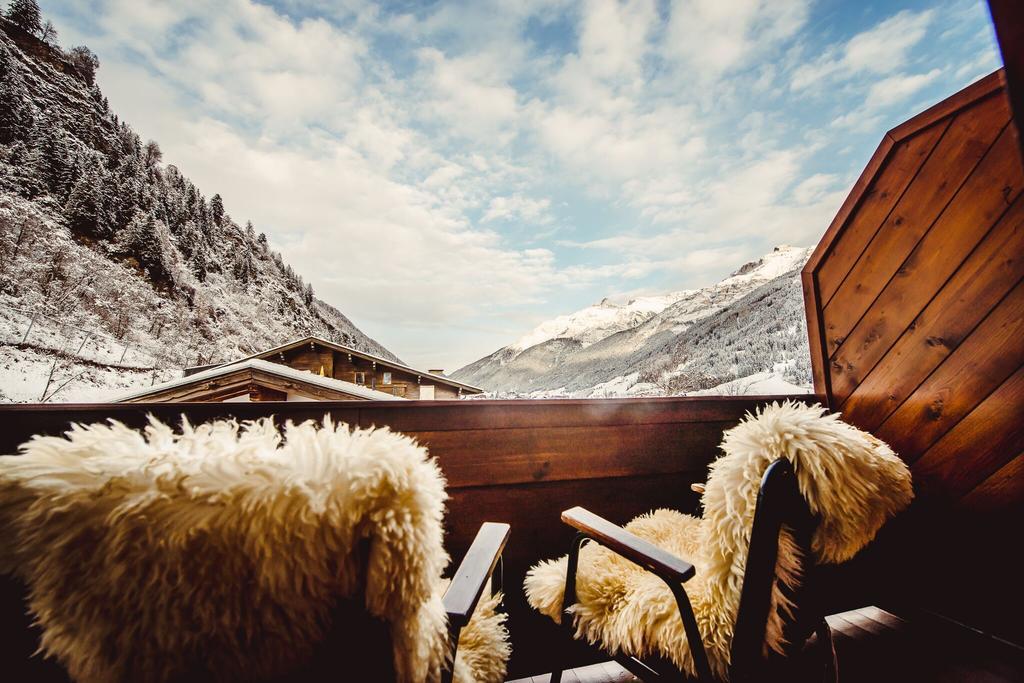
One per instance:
(386,379)
(360,378)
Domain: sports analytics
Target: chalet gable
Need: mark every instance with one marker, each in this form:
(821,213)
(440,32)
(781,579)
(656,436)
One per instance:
(329,359)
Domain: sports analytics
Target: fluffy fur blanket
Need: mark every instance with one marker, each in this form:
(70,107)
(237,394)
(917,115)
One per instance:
(228,544)
(852,481)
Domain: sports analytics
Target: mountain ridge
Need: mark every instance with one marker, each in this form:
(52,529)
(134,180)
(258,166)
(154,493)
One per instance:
(98,233)
(636,354)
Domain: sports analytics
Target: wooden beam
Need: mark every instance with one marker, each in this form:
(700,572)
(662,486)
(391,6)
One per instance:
(1008,17)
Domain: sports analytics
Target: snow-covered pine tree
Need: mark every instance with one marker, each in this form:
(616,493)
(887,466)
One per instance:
(217,209)
(142,238)
(245,266)
(84,209)
(16,115)
(26,15)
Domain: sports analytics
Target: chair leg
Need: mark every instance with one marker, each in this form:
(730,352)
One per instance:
(569,592)
(830,668)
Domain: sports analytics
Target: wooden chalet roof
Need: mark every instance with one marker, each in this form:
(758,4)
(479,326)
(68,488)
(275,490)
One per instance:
(258,366)
(438,379)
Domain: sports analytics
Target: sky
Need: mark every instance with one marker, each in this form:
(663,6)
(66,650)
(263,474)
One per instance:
(451,174)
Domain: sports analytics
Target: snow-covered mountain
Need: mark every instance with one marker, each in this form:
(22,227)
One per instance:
(114,266)
(668,344)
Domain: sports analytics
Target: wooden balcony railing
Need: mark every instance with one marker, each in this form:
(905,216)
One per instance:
(520,462)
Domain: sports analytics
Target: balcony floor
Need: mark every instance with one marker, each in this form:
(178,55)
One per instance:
(876,646)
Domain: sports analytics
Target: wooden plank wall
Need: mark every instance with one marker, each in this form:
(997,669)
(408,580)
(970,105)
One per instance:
(915,301)
(520,462)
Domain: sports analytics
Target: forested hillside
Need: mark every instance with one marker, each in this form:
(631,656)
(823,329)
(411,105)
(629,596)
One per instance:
(99,234)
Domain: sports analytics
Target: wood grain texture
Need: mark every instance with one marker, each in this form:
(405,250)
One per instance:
(962,147)
(981,202)
(1001,493)
(978,446)
(922,343)
(992,353)
(987,275)
(884,191)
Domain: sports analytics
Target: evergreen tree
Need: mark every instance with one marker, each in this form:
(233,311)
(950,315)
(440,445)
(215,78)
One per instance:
(262,246)
(84,208)
(307,294)
(245,266)
(16,116)
(25,13)
(217,210)
(250,233)
(142,240)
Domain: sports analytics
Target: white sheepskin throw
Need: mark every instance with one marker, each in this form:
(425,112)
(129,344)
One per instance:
(228,544)
(852,482)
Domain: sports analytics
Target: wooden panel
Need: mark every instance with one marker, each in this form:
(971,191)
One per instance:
(961,148)
(922,342)
(885,190)
(981,202)
(981,282)
(310,390)
(1008,17)
(980,444)
(216,389)
(488,457)
(261,393)
(986,358)
(1001,493)
(519,462)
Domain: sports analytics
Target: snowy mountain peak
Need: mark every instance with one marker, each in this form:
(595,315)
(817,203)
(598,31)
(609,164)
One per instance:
(682,341)
(779,260)
(596,322)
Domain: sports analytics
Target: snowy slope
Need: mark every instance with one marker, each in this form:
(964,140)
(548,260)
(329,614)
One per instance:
(667,348)
(112,260)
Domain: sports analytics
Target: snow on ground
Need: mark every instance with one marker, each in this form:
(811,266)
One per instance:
(24,373)
(21,327)
(758,384)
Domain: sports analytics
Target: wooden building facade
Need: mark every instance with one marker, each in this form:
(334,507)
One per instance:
(328,359)
(309,369)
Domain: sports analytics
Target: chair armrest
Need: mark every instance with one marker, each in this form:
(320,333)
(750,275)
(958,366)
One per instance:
(630,546)
(474,572)
(669,568)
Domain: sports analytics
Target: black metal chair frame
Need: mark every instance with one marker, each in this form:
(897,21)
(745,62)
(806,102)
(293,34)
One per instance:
(779,503)
(481,566)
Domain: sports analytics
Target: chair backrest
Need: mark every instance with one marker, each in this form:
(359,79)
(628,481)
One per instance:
(779,504)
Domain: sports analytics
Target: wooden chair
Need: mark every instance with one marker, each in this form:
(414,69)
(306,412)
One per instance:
(810,651)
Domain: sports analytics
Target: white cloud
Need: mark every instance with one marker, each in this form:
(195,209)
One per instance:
(393,156)
(518,207)
(897,88)
(712,37)
(882,49)
(882,95)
